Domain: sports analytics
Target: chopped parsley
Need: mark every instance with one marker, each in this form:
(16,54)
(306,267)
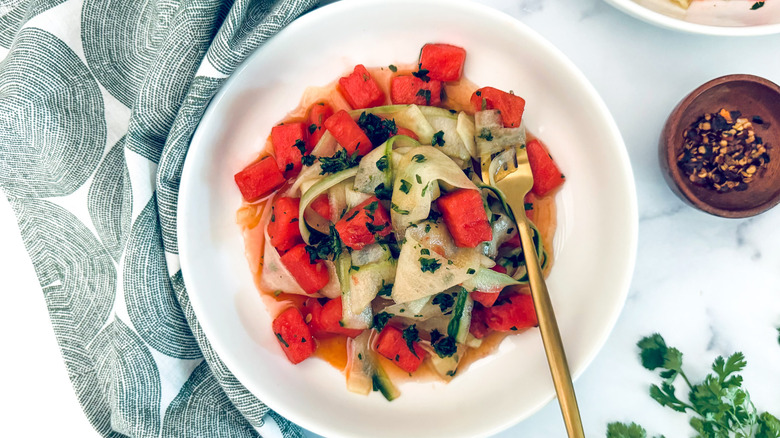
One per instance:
(421,74)
(338,162)
(326,247)
(312,128)
(281,339)
(398,210)
(438,139)
(418,158)
(405,186)
(425,94)
(383,192)
(301,145)
(381,164)
(446,347)
(427,228)
(373,229)
(425,189)
(385,290)
(429,265)
(445,302)
(528,206)
(288,167)
(411,336)
(377,129)
(756,5)
(485,134)
(371,207)
(380,320)
(392,68)
(434,215)
(418,179)
(425,251)
(470,271)
(308,160)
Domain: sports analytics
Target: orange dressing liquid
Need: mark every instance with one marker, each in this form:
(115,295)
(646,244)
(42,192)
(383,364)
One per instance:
(333,349)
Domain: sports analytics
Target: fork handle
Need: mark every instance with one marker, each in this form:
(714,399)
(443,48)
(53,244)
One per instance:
(551,337)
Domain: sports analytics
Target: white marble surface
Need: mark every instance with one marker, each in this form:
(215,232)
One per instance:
(710,286)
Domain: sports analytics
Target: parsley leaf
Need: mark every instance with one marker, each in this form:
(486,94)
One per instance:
(421,74)
(381,164)
(721,407)
(312,128)
(327,247)
(405,186)
(445,347)
(485,134)
(383,192)
(392,68)
(301,145)
(308,160)
(380,320)
(444,300)
(411,336)
(338,162)
(281,339)
(385,290)
(621,430)
(425,94)
(397,209)
(377,129)
(756,5)
(438,139)
(419,158)
(429,265)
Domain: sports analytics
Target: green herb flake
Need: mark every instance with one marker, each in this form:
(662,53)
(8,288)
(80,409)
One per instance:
(381,164)
(425,94)
(425,251)
(429,265)
(418,179)
(528,206)
(397,209)
(421,74)
(485,134)
(411,335)
(405,186)
(308,160)
(360,356)
(289,167)
(445,302)
(427,228)
(277,293)
(326,248)
(373,229)
(470,271)
(338,162)
(301,145)
(383,192)
(418,158)
(385,290)
(281,340)
(380,320)
(312,128)
(377,129)
(757,5)
(438,139)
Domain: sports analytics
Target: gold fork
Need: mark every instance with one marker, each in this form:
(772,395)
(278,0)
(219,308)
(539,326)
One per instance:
(510,173)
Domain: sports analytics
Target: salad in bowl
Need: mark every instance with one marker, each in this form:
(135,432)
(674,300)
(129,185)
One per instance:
(373,236)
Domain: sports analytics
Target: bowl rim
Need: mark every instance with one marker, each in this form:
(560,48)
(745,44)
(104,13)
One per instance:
(669,148)
(600,106)
(650,16)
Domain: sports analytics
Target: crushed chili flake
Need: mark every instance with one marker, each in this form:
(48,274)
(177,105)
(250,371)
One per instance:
(722,151)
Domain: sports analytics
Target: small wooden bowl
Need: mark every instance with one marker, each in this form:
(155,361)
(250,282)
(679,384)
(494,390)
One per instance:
(752,96)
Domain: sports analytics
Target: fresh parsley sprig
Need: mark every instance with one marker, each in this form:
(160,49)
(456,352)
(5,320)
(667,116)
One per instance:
(721,407)
(324,247)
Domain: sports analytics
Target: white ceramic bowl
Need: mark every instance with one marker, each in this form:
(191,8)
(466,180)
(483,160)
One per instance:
(709,17)
(595,243)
